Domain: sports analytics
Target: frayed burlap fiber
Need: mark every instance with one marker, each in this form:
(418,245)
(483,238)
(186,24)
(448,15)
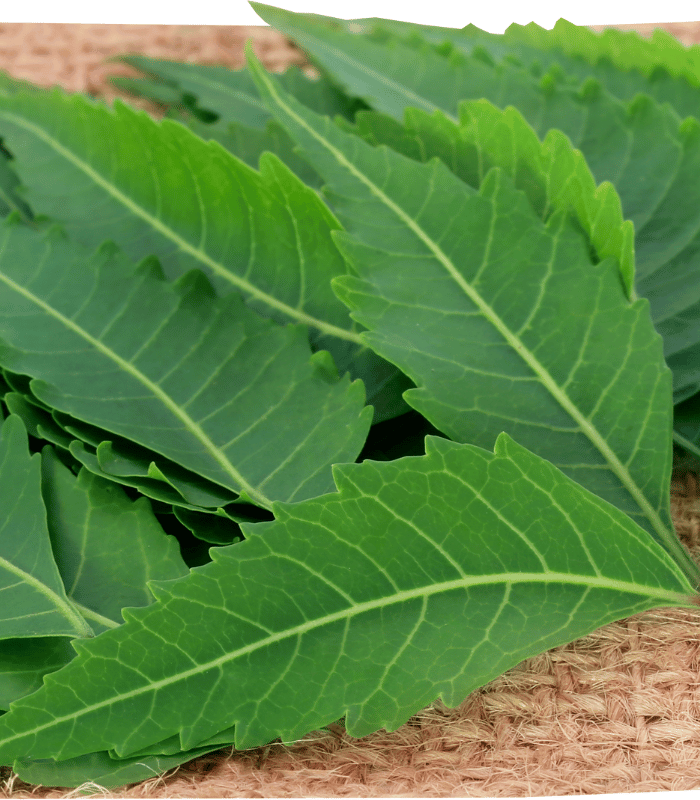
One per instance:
(616,711)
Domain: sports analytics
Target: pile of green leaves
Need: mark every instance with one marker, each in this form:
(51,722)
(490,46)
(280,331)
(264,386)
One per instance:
(327,397)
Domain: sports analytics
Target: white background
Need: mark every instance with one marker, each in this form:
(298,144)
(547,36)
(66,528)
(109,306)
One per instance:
(491,15)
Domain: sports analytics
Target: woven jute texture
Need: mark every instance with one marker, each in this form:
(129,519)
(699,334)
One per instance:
(616,711)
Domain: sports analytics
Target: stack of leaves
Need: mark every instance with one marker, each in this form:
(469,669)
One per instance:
(327,397)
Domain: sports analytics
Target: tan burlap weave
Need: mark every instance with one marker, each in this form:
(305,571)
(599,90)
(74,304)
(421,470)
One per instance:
(616,711)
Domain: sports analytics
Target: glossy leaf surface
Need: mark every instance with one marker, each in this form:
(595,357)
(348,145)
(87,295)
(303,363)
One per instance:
(34,600)
(202,381)
(423,577)
(411,226)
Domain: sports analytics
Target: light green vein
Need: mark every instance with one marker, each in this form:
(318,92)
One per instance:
(510,578)
(62,605)
(155,390)
(197,253)
(89,613)
(587,428)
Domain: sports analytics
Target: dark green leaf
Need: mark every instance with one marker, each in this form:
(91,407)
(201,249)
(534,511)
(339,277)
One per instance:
(34,601)
(423,577)
(158,364)
(566,363)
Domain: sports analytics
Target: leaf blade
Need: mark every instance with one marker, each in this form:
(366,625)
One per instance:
(463,250)
(140,357)
(34,598)
(422,591)
(641,146)
(106,547)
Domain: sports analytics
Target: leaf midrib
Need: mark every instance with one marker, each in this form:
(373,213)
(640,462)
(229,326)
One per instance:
(517,345)
(339,55)
(510,578)
(195,252)
(61,604)
(167,401)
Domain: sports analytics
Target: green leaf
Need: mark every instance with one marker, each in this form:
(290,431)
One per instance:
(249,144)
(197,206)
(34,598)
(101,769)
(232,94)
(549,56)
(212,528)
(106,547)
(157,91)
(625,49)
(38,422)
(10,84)
(9,200)
(567,364)
(24,662)
(423,577)
(686,425)
(127,352)
(154,487)
(123,459)
(553,175)
(641,147)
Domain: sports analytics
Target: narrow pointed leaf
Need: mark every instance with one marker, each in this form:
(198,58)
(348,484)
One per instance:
(232,94)
(196,206)
(625,49)
(639,61)
(550,54)
(34,601)
(643,148)
(204,382)
(121,461)
(424,577)
(107,547)
(578,411)
(24,662)
(61,430)
(152,487)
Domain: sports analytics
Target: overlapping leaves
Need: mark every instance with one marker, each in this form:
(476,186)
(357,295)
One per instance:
(488,270)
(464,245)
(189,206)
(203,381)
(641,147)
(475,585)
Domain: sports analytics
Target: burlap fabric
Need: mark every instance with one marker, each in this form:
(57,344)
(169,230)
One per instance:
(616,711)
